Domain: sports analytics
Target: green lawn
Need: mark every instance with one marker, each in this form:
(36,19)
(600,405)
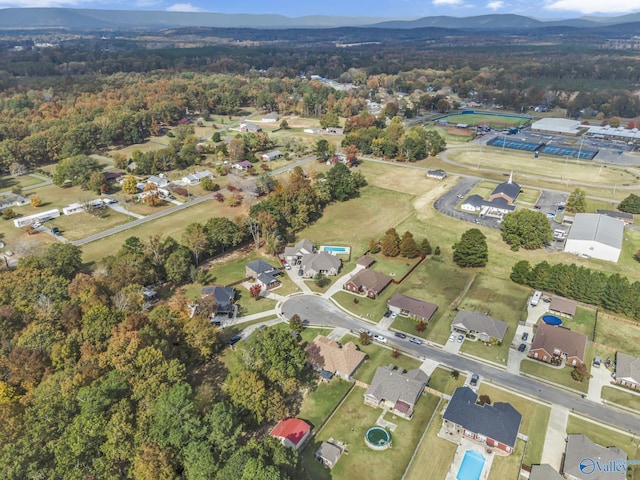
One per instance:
(7,182)
(80,225)
(349,425)
(621,397)
(246,304)
(378,356)
(620,335)
(554,375)
(529,196)
(309,333)
(319,402)
(507,467)
(434,456)
(492,120)
(583,321)
(396,267)
(535,417)
(604,436)
(442,381)
(371,309)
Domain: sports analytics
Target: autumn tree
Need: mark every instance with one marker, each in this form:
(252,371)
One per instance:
(391,243)
(130,185)
(36,201)
(408,246)
(296,324)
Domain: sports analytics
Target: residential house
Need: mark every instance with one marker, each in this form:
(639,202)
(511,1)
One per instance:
(113,174)
(223,297)
(627,371)
(292,432)
(563,306)
(627,218)
(507,190)
(544,472)
(328,355)
(437,174)
(12,200)
(267,157)
(334,130)
(552,343)
(368,282)
(250,128)
(158,181)
(328,453)
(495,426)
(264,273)
(366,261)
(479,325)
(196,177)
(395,390)
(412,307)
(320,263)
(243,165)
(271,117)
(580,449)
(303,247)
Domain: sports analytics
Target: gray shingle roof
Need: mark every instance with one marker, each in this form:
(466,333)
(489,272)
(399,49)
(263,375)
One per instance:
(223,296)
(393,385)
(627,368)
(481,323)
(580,447)
(320,261)
(474,200)
(499,421)
(544,472)
(260,266)
(598,228)
(510,189)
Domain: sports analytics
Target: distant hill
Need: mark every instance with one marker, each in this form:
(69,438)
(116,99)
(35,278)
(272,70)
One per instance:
(88,19)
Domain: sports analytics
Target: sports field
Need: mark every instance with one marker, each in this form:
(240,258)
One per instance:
(493,121)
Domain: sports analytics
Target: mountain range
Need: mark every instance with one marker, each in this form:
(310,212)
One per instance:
(89,19)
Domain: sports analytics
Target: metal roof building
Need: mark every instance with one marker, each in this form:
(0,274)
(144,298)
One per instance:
(557,125)
(597,236)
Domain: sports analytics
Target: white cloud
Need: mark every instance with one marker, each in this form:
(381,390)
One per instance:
(447,2)
(183,7)
(588,7)
(498,4)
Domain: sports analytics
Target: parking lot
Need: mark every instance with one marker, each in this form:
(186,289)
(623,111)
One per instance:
(447,204)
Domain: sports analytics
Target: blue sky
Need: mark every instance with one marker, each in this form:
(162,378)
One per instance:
(378,8)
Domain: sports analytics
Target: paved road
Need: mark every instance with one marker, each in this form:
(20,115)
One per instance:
(177,208)
(320,311)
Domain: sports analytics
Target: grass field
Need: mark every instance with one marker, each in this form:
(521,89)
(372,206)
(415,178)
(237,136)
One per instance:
(622,397)
(583,321)
(349,425)
(622,336)
(494,121)
(396,267)
(507,467)
(80,225)
(9,182)
(434,455)
(560,376)
(604,436)
(378,356)
(442,381)
(319,402)
(535,417)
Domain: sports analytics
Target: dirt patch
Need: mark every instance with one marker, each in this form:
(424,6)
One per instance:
(423,204)
(463,132)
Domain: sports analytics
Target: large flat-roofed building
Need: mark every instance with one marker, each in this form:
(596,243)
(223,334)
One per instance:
(597,236)
(562,126)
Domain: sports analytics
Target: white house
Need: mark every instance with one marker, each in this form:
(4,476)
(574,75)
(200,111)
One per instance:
(196,177)
(272,117)
(597,236)
(37,217)
(267,157)
(158,181)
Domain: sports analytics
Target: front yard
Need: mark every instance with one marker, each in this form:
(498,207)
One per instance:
(623,398)
(349,425)
(442,381)
(561,376)
(378,356)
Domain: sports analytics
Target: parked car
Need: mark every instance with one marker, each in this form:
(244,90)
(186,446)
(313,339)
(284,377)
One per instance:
(522,347)
(55,230)
(300,272)
(551,214)
(362,330)
(235,339)
(394,315)
(474,379)
(287,266)
(460,338)
(452,338)
(400,335)
(36,225)
(387,314)
(380,338)
(537,207)
(525,335)
(415,340)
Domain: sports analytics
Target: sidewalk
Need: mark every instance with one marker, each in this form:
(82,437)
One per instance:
(337,286)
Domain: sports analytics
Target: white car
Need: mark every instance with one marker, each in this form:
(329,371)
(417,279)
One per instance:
(394,315)
(36,225)
(380,338)
(452,338)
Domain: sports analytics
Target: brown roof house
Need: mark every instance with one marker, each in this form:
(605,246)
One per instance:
(563,306)
(366,261)
(586,460)
(479,325)
(395,390)
(368,282)
(412,307)
(627,371)
(551,344)
(326,354)
(320,263)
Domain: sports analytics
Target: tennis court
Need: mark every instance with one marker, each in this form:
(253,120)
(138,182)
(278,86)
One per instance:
(558,150)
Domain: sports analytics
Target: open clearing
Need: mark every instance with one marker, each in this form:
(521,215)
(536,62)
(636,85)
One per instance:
(494,121)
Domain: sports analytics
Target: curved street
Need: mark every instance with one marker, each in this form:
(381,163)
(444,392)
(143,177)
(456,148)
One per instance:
(319,311)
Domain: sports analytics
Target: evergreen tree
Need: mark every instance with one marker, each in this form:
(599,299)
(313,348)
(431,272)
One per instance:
(374,246)
(527,229)
(425,246)
(408,246)
(471,250)
(391,243)
(577,202)
(631,204)
(520,273)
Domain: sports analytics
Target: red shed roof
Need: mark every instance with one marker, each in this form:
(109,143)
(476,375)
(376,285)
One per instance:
(293,429)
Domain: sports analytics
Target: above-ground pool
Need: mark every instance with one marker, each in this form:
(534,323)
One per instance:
(335,250)
(377,438)
(471,467)
(551,320)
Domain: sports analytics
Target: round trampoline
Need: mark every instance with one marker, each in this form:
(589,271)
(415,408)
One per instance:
(551,320)
(377,438)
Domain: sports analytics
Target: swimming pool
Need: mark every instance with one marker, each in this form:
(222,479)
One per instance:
(472,465)
(551,320)
(335,250)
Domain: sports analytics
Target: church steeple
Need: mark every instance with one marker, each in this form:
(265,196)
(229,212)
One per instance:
(511,177)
